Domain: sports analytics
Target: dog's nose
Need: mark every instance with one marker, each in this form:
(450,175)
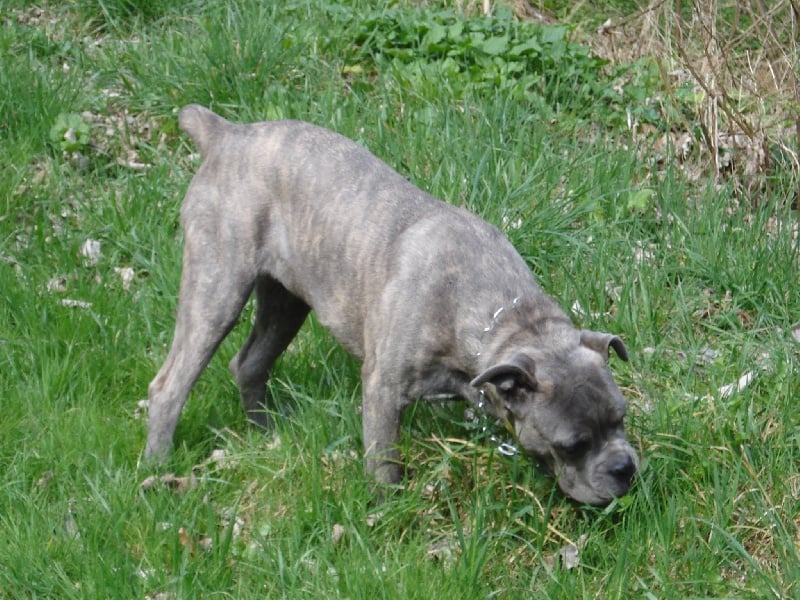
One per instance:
(623,469)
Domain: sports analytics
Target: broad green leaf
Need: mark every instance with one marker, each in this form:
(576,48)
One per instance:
(553,34)
(495,45)
(640,199)
(435,35)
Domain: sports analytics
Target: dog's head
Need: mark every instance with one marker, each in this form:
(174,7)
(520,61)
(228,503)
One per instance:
(567,412)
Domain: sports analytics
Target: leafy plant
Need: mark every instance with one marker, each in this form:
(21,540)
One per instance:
(537,63)
(70,133)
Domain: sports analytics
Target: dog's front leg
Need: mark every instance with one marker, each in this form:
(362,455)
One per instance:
(279,314)
(381,414)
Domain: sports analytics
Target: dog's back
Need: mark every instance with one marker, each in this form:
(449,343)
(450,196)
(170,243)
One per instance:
(361,221)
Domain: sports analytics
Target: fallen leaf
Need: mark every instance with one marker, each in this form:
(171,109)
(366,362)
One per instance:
(220,458)
(707,355)
(796,332)
(161,596)
(372,519)
(44,481)
(70,525)
(145,573)
(509,224)
(613,292)
(179,485)
(274,443)
(429,491)
(444,551)
(90,250)
(10,260)
(606,27)
(577,309)
(126,274)
(57,284)
(140,412)
(185,539)
(232,521)
(134,165)
(192,543)
(644,254)
(337,534)
(149,483)
(568,556)
(727,390)
(217,455)
(71,303)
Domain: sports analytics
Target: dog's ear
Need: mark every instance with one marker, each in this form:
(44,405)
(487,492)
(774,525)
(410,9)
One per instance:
(517,374)
(600,342)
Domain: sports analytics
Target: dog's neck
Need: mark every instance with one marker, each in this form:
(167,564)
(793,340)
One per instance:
(536,323)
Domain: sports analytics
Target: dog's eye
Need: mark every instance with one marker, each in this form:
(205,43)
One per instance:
(618,423)
(576,447)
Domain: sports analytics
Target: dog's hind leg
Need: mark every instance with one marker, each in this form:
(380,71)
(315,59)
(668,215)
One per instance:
(279,314)
(211,298)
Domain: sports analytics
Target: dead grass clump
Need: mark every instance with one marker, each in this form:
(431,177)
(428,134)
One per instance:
(742,58)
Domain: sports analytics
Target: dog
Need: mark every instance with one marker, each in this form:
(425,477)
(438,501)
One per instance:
(432,299)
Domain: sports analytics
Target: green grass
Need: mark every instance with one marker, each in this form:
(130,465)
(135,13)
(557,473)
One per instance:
(704,289)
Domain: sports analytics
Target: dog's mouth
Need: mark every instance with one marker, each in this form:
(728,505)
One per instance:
(597,485)
(543,462)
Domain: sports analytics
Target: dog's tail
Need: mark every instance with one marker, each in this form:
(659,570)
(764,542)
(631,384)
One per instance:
(201,125)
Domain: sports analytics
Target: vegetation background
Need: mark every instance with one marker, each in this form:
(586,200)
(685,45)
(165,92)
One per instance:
(642,157)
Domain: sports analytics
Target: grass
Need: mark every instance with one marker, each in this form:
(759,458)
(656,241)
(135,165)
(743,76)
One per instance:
(700,281)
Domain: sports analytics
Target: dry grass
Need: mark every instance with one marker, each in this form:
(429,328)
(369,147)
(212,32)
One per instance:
(742,58)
